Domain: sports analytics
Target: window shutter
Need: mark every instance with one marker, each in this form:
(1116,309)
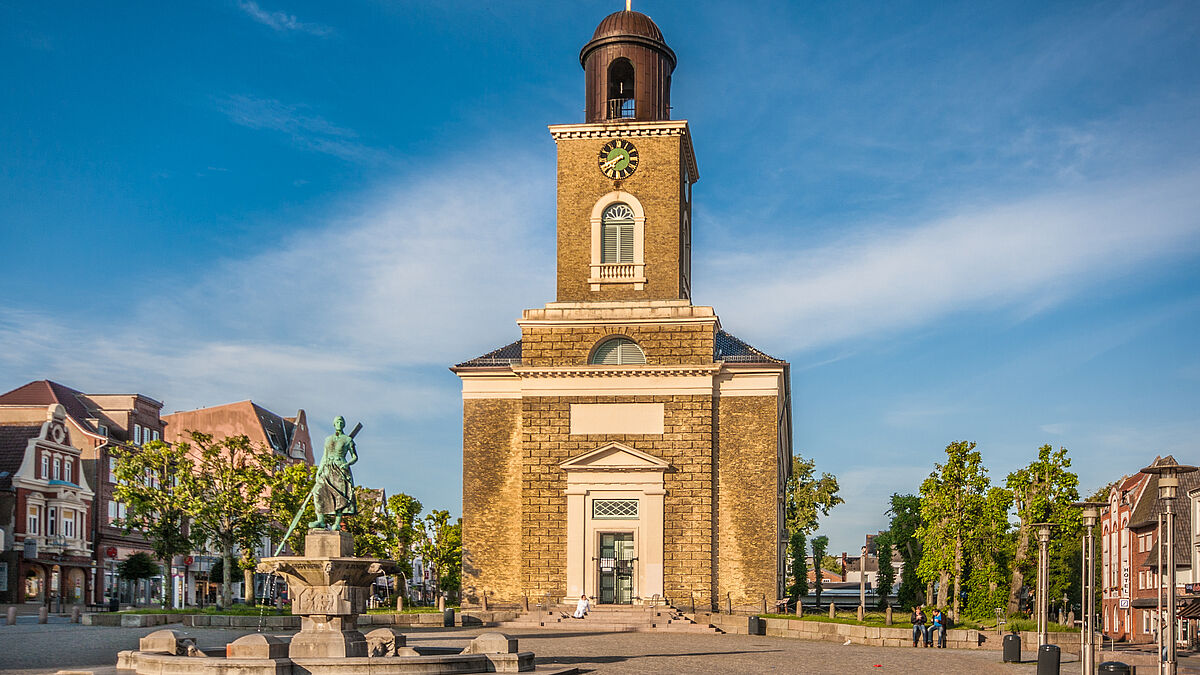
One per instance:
(608,244)
(607,354)
(626,243)
(630,352)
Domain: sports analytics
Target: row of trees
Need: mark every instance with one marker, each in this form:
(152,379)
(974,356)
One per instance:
(960,545)
(229,494)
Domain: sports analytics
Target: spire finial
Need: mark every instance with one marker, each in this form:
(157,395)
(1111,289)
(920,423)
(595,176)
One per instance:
(628,5)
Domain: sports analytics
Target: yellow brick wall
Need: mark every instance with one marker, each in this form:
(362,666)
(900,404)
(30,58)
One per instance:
(685,344)
(656,184)
(686,444)
(492,499)
(747,514)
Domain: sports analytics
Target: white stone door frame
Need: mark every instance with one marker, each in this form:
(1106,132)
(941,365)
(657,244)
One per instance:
(614,471)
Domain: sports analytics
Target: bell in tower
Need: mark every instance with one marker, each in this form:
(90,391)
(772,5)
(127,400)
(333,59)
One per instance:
(627,68)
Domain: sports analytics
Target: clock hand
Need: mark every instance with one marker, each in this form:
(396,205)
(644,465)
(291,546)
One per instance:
(612,162)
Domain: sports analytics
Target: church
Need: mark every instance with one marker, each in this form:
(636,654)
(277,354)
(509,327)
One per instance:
(627,447)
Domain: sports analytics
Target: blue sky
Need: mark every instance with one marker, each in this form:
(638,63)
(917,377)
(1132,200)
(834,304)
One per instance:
(956,220)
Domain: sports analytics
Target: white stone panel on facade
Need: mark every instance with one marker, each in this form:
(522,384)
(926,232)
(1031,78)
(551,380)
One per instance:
(617,418)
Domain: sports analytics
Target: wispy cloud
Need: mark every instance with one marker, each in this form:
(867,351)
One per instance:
(304,128)
(1025,256)
(361,314)
(281,21)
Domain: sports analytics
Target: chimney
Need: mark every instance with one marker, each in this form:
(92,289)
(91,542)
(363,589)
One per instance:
(843,566)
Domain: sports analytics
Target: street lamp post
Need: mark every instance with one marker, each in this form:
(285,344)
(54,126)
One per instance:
(1091,516)
(1043,581)
(862,585)
(1168,491)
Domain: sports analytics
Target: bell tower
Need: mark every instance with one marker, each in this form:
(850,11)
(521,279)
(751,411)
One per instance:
(625,175)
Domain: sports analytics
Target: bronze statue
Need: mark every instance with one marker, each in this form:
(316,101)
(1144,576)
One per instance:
(333,493)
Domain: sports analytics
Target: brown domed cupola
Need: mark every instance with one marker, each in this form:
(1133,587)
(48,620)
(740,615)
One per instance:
(627,68)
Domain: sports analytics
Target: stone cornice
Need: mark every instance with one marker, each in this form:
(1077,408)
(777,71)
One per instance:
(610,371)
(632,130)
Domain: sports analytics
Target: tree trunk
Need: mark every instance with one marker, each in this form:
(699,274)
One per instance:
(958,571)
(1018,577)
(168,578)
(248,586)
(943,583)
(227,579)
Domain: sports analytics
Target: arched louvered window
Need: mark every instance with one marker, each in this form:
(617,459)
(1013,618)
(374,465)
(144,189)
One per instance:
(616,234)
(618,351)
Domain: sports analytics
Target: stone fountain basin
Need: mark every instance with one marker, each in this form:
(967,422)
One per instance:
(167,652)
(147,663)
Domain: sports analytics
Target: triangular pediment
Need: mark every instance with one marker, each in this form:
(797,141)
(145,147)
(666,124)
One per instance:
(615,457)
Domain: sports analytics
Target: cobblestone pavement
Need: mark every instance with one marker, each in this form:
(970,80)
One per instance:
(52,647)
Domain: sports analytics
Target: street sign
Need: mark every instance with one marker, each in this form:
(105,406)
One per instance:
(111,551)
(189,560)
(1124,604)
(31,549)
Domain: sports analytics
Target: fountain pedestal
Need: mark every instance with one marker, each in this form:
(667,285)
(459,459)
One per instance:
(329,589)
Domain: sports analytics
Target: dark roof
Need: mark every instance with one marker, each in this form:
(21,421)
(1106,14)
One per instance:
(13,440)
(48,392)
(504,356)
(628,23)
(1145,512)
(729,348)
(277,429)
(726,347)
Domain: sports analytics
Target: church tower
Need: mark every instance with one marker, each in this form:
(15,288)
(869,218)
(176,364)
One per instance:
(626,446)
(625,176)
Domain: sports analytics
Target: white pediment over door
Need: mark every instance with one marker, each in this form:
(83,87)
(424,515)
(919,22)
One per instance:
(614,457)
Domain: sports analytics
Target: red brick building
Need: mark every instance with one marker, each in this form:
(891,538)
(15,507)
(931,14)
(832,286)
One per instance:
(45,509)
(1131,576)
(95,425)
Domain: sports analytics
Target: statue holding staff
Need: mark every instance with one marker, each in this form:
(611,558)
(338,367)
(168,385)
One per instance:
(333,493)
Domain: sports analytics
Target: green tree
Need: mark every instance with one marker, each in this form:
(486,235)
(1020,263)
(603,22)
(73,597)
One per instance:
(809,497)
(138,566)
(906,521)
(149,485)
(886,578)
(228,496)
(289,489)
(988,554)
(953,500)
(1042,493)
(819,544)
(403,531)
(441,547)
(799,568)
(369,525)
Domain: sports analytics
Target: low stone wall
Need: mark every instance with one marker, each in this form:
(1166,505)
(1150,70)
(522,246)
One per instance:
(427,620)
(896,636)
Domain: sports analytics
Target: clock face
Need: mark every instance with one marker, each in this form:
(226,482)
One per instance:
(618,159)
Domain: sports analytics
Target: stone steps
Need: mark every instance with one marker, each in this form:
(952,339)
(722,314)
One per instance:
(611,619)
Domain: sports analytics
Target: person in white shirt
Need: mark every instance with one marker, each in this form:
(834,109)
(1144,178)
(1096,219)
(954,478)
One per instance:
(581,608)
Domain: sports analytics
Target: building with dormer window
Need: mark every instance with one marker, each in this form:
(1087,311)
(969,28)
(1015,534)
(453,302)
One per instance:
(627,446)
(45,508)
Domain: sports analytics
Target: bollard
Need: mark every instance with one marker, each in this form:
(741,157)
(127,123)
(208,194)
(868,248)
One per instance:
(832,611)
(764,596)
(887,616)
(483,601)
(524,603)
(862,612)
(1049,657)
(400,602)
(43,614)
(75,614)
(441,603)
(1115,668)
(12,616)
(1012,648)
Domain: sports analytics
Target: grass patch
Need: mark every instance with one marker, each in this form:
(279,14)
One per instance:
(870,619)
(900,620)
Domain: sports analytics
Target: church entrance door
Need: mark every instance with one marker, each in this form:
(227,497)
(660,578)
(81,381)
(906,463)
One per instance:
(616,568)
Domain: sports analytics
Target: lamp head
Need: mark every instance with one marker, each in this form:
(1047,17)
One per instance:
(1091,511)
(1168,472)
